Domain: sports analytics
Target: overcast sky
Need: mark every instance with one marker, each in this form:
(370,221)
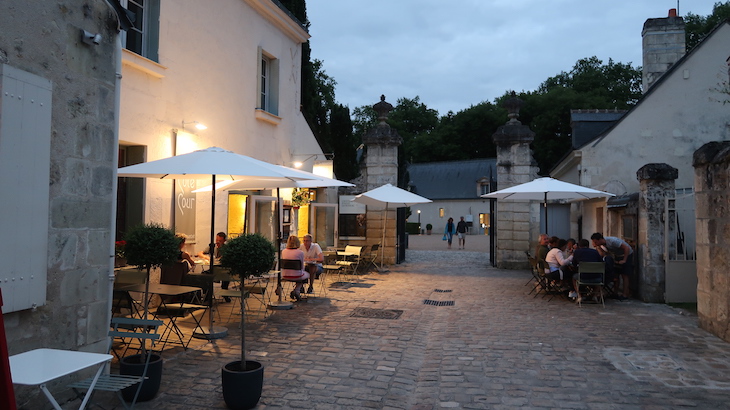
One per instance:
(458,53)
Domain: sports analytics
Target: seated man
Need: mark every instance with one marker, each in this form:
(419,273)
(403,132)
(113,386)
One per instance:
(583,254)
(313,258)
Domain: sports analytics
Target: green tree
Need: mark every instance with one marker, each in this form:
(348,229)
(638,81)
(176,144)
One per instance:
(589,85)
(697,27)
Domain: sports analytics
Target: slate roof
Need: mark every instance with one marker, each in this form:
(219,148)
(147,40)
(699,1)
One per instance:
(588,124)
(451,180)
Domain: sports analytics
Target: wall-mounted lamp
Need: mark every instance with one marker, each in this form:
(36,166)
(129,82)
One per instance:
(298,164)
(198,125)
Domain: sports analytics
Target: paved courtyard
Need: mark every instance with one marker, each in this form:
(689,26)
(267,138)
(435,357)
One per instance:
(446,330)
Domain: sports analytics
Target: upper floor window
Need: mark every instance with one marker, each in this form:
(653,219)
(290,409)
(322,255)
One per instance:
(483,186)
(144,37)
(268,84)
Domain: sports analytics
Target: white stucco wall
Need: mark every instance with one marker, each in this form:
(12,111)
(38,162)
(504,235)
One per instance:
(207,72)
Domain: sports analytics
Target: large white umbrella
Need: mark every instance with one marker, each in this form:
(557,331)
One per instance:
(217,164)
(319,182)
(385,197)
(546,189)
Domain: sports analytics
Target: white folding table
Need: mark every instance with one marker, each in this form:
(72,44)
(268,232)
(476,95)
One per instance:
(39,366)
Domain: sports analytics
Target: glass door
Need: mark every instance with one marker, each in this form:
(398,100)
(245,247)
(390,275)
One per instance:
(263,217)
(323,224)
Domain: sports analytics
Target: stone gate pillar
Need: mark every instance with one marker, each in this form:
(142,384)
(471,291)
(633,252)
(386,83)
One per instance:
(381,167)
(656,182)
(517,222)
(712,207)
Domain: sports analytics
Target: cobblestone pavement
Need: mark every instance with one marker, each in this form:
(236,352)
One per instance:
(496,347)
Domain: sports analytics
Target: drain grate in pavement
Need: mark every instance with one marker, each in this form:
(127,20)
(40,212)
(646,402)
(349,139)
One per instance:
(376,313)
(442,290)
(438,302)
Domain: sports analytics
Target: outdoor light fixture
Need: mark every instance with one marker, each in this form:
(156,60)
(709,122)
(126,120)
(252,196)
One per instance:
(90,38)
(198,125)
(300,163)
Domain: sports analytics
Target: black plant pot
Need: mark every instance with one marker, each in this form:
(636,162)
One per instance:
(134,365)
(242,387)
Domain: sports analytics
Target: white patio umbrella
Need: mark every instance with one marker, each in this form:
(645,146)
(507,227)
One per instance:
(320,182)
(217,164)
(387,196)
(546,189)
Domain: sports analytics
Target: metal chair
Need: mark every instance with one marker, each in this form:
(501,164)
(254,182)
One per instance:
(293,264)
(125,328)
(592,274)
(369,259)
(350,259)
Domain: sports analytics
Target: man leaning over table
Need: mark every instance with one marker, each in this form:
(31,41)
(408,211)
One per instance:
(313,258)
(611,247)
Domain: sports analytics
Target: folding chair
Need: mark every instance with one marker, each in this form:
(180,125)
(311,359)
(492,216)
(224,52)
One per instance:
(122,300)
(592,274)
(350,259)
(537,277)
(370,258)
(222,274)
(292,264)
(126,328)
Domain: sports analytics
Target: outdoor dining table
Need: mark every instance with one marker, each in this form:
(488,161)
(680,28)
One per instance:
(171,291)
(40,366)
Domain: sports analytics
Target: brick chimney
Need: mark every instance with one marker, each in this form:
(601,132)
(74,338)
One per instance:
(663,44)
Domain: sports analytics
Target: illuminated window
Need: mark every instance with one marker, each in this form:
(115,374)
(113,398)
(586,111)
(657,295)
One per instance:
(441,212)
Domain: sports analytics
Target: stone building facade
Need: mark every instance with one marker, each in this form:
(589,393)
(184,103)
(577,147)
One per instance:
(71,158)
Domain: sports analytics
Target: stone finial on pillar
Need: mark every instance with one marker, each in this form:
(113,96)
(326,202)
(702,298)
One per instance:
(382,108)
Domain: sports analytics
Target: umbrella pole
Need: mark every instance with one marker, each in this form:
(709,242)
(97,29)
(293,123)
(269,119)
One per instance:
(545,202)
(279,304)
(213,332)
(382,244)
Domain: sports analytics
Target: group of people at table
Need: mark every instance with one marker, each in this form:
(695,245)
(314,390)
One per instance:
(308,252)
(562,257)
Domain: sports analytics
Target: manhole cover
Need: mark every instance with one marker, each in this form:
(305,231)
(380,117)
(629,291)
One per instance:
(438,302)
(376,313)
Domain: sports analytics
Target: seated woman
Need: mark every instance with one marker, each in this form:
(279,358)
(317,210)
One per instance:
(556,261)
(184,256)
(300,277)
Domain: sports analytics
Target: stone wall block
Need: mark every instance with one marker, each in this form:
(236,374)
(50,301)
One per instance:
(712,166)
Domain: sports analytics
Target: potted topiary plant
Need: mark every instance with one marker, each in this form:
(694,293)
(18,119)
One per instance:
(428,229)
(246,255)
(147,246)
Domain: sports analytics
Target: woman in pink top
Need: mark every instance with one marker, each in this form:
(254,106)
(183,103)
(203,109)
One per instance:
(300,277)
